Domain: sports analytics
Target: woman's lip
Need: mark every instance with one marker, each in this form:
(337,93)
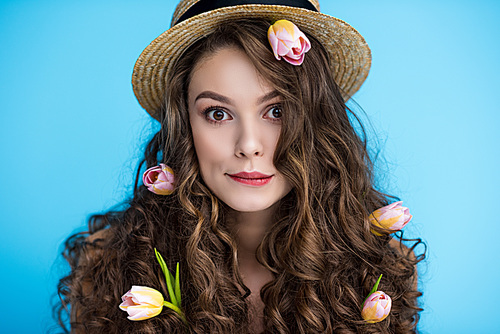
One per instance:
(251,181)
(250,175)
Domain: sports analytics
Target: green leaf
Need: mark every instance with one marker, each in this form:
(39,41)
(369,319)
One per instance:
(161,262)
(171,289)
(168,277)
(177,285)
(375,287)
(172,278)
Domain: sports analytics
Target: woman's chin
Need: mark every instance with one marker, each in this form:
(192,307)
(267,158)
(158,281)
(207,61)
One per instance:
(249,207)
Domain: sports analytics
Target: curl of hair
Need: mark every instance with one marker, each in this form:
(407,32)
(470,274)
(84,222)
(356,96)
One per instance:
(320,250)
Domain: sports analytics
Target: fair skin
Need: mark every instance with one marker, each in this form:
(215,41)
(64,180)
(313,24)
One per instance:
(235,121)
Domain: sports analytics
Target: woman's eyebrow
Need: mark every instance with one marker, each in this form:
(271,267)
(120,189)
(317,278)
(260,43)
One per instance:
(214,96)
(221,98)
(268,96)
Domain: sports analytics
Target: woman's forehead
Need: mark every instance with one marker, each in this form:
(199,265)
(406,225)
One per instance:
(229,73)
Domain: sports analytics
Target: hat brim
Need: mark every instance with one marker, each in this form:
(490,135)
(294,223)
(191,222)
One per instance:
(349,53)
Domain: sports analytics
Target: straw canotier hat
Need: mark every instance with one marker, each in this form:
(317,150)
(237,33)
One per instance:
(193,19)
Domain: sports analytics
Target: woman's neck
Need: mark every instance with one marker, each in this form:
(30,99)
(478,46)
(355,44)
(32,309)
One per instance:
(249,228)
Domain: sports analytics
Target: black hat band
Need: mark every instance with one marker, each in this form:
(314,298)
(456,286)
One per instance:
(203,6)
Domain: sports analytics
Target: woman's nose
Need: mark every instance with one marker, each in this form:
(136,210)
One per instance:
(249,142)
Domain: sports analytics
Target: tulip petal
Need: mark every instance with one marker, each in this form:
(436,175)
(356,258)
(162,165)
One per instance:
(377,307)
(294,61)
(392,217)
(283,49)
(159,179)
(285,36)
(147,295)
(288,41)
(140,312)
(126,303)
(273,40)
(142,302)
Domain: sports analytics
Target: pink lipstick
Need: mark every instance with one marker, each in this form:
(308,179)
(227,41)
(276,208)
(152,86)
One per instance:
(252,179)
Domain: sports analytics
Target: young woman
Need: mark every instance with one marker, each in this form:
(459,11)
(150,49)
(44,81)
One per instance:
(264,191)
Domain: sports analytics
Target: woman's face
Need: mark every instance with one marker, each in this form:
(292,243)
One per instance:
(235,120)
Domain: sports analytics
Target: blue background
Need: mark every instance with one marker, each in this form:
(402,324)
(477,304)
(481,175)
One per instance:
(71,132)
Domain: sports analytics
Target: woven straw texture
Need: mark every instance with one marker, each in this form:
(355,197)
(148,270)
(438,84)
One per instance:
(349,53)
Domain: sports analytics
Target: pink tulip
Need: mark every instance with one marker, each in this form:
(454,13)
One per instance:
(392,217)
(376,307)
(142,303)
(288,41)
(159,179)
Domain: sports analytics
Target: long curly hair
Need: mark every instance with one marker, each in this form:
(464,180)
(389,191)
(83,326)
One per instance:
(320,250)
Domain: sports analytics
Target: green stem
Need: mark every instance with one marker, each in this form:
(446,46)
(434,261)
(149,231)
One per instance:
(375,287)
(176,310)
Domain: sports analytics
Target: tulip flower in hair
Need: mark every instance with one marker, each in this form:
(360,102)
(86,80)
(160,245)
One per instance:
(288,41)
(392,217)
(376,306)
(159,179)
(143,303)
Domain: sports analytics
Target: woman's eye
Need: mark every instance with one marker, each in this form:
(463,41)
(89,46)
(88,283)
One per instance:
(216,114)
(275,112)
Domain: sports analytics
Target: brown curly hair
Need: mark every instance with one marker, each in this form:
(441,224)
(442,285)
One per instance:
(320,250)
